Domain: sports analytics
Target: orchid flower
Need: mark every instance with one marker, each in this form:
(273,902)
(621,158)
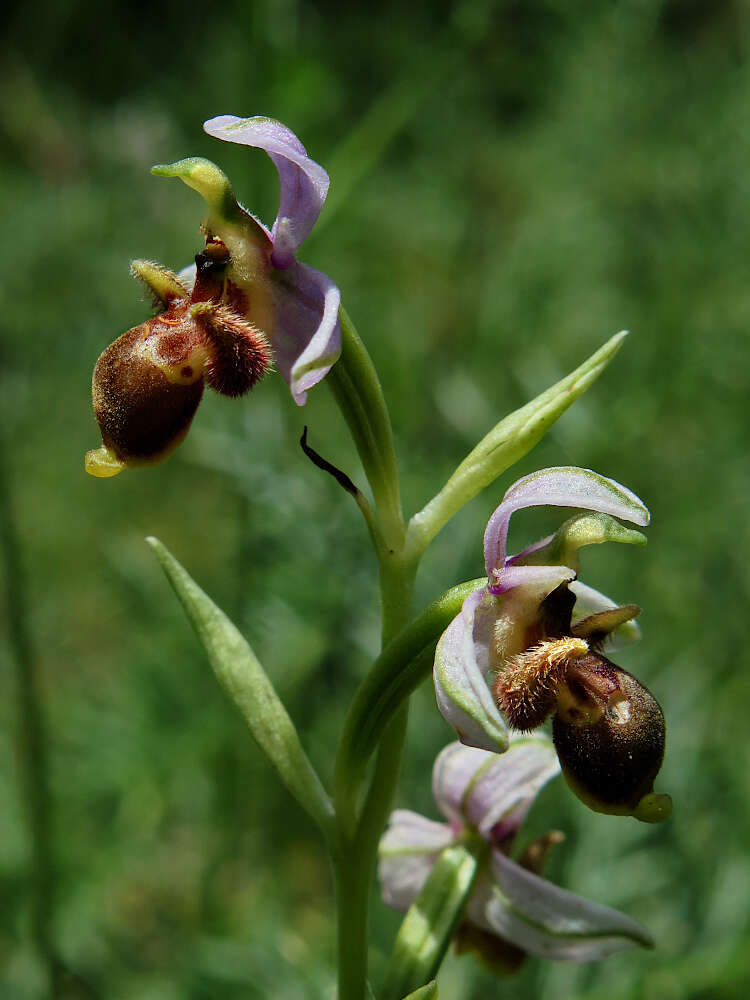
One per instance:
(530,643)
(247,301)
(512,910)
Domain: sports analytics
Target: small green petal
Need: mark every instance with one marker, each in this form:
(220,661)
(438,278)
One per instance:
(583,529)
(208,180)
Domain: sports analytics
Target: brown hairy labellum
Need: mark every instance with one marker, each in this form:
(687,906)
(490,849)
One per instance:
(148,384)
(608,729)
(611,763)
(146,389)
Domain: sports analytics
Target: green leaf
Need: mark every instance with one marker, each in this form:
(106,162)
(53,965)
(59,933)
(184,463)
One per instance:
(431,921)
(505,445)
(243,678)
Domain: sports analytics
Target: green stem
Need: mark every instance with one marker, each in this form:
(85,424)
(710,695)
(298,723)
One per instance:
(353,877)
(355,866)
(358,394)
(382,788)
(357,870)
(397,594)
(400,668)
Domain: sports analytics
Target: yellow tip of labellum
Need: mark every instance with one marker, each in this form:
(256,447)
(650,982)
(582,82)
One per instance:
(102,463)
(654,808)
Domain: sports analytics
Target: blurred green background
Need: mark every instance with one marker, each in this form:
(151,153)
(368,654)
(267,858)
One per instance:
(512,182)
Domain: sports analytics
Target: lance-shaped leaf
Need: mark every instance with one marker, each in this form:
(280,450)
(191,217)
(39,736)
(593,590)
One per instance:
(506,443)
(243,678)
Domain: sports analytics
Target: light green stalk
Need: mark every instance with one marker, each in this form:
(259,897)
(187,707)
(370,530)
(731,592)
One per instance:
(380,708)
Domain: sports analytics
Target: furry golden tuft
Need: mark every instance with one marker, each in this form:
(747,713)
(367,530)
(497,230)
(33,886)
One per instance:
(526,689)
